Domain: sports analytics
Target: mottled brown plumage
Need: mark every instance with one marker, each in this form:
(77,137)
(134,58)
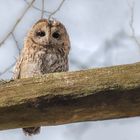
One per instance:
(45,50)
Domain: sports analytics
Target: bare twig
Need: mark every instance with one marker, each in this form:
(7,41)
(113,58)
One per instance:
(131,22)
(7,69)
(55,11)
(36,8)
(20,18)
(11,33)
(42,12)
(14,38)
(13,28)
(47,12)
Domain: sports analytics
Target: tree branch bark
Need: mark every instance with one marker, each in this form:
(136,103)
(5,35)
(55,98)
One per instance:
(60,98)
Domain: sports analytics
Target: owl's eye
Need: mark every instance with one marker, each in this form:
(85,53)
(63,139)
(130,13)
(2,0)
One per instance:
(56,35)
(40,33)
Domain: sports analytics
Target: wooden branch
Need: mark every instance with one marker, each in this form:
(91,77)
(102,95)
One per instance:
(59,98)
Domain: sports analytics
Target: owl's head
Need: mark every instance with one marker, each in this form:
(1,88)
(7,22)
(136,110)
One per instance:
(49,34)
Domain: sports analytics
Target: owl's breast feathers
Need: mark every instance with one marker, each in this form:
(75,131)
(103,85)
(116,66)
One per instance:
(34,61)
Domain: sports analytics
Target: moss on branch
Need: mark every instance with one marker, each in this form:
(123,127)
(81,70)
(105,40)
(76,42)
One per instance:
(59,98)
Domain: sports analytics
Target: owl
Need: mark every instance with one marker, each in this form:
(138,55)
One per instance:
(45,50)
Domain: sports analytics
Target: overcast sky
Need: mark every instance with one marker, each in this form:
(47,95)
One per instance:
(100,36)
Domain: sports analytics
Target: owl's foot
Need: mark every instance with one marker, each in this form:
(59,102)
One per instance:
(31,131)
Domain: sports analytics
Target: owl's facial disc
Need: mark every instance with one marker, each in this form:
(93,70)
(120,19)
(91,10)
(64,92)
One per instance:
(40,34)
(47,38)
(50,34)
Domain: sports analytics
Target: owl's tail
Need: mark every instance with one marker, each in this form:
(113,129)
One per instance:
(31,131)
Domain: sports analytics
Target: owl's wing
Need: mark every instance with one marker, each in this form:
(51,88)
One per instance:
(17,68)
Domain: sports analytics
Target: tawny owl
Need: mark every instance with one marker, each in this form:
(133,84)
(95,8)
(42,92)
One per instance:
(45,50)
